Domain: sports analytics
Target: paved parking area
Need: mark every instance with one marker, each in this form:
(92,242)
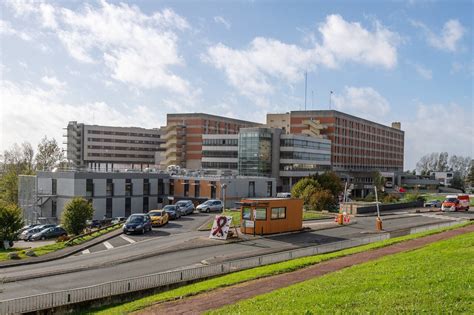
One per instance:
(184,224)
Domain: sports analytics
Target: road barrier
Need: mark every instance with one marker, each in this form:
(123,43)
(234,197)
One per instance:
(104,290)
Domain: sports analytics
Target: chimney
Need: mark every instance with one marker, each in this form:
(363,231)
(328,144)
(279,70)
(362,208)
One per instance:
(397,125)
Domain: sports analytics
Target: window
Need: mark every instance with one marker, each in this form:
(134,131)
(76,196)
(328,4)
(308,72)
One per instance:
(161,187)
(54,186)
(213,190)
(278,213)
(128,187)
(186,188)
(128,207)
(260,214)
(246,214)
(197,189)
(54,208)
(146,187)
(269,189)
(251,189)
(108,208)
(89,188)
(145,205)
(109,189)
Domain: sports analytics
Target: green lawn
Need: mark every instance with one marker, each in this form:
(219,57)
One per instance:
(42,250)
(250,274)
(314,215)
(235,218)
(436,279)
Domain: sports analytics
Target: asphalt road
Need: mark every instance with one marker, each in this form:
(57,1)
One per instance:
(101,271)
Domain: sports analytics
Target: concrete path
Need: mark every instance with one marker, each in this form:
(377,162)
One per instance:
(231,295)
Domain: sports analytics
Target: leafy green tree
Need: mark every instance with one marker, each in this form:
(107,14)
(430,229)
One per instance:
(321,199)
(330,181)
(378,180)
(299,188)
(11,220)
(75,215)
(457,181)
(49,154)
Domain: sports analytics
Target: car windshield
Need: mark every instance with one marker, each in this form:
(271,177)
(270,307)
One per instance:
(135,219)
(181,203)
(156,213)
(169,208)
(207,202)
(451,200)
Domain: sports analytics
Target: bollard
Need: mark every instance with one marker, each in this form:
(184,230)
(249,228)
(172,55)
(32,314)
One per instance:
(340,219)
(378,224)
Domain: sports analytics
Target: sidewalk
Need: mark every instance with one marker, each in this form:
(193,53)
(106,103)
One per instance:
(68,251)
(230,295)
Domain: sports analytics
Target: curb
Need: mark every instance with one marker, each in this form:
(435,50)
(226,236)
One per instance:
(63,253)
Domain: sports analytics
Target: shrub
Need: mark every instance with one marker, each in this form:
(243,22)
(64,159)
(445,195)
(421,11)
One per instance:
(11,220)
(414,197)
(390,198)
(75,215)
(321,199)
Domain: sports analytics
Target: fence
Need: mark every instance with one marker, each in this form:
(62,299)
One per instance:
(65,297)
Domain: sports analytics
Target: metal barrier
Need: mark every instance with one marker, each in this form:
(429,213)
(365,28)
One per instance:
(65,297)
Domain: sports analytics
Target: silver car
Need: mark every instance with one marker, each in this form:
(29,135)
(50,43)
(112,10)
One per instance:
(210,205)
(185,207)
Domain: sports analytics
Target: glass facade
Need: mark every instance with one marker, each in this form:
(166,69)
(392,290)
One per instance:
(255,152)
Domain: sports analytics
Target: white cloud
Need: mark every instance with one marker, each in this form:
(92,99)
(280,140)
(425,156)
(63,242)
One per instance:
(252,69)
(7,29)
(439,128)
(53,82)
(223,21)
(422,71)
(29,112)
(449,38)
(137,48)
(362,102)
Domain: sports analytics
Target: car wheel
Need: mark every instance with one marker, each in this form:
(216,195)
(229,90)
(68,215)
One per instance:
(208,210)
(43,238)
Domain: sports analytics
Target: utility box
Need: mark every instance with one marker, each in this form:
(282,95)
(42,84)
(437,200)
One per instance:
(261,216)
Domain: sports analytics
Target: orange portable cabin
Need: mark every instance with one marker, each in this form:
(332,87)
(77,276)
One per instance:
(271,215)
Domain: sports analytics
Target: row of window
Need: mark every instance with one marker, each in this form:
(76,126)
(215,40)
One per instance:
(367,128)
(220,154)
(157,143)
(304,167)
(118,133)
(109,188)
(305,144)
(261,213)
(221,142)
(219,165)
(143,156)
(99,147)
(305,156)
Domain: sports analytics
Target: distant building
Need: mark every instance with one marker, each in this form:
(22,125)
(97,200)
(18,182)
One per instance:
(359,147)
(269,152)
(184,136)
(106,148)
(443,178)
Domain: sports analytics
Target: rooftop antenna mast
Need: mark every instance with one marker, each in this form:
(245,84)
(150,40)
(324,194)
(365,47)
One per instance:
(312,99)
(305,87)
(330,98)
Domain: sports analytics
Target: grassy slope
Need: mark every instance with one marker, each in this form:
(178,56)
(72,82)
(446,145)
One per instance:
(250,274)
(436,279)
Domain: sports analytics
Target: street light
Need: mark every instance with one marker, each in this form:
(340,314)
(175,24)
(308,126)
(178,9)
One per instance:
(224,194)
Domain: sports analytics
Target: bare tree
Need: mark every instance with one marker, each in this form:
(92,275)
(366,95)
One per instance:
(49,154)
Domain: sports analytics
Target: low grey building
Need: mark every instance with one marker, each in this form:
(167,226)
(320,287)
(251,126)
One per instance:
(113,194)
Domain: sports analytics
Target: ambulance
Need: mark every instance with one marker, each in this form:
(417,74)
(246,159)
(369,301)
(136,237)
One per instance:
(456,203)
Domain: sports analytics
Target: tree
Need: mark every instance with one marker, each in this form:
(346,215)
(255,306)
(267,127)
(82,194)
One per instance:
(10,222)
(300,186)
(321,199)
(75,215)
(330,181)
(470,177)
(457,182)
(49,154)
(378,180)
(18,160)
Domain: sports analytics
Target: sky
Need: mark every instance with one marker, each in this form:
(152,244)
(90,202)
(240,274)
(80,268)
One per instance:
(129,63)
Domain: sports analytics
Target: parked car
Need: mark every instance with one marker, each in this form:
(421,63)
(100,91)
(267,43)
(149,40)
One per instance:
(118,220)
(51,232)
(210,205)
(137,223)
(27,227)
(25,235)
(185,207)
(158,217)
(433,204)
(94,224)
(173,212)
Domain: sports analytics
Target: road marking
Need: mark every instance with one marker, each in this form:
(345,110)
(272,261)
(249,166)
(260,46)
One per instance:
(128,239)
(108,245)
(85,252)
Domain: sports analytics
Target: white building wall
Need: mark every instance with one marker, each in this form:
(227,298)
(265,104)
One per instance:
(119,188)
(118,207)
(137,187)
(99,207)
(100,187)
(65,186)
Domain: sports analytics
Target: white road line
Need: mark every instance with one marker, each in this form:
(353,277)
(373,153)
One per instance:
(128,239)
(85,251)
(108,245)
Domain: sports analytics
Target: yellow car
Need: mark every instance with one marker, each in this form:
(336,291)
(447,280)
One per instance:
(158,217)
